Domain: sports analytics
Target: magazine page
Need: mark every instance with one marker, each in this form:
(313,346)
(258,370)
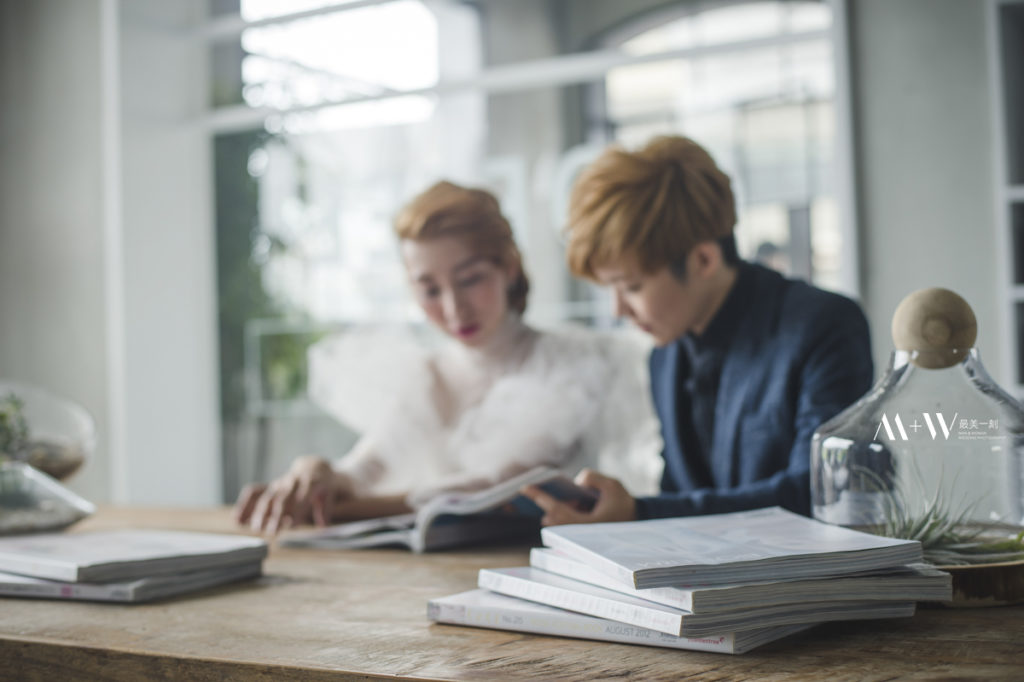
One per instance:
(349,535)
(699,547)
(546,588)
(505,498)
(450,519)
(498,512)
(911,583)
(554,590)
(74,556)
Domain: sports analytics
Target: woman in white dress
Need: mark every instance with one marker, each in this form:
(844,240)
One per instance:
(503,398)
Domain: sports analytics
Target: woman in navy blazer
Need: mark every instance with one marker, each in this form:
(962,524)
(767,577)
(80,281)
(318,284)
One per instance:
(747,363)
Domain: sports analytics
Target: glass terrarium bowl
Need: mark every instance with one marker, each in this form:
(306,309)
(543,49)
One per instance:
(933,452)
(58,435)
(32,502)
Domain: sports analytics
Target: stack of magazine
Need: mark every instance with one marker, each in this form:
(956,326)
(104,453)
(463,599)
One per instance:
(125,565)
(725,582)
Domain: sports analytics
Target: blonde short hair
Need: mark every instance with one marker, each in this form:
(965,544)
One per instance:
(472,215)
(654,204)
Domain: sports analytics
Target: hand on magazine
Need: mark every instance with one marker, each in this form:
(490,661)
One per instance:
(307,493)
(614,503)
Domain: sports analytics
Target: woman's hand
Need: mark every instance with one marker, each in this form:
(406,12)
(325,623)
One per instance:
(614,503)
(307,493)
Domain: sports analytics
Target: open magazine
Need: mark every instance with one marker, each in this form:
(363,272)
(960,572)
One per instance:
(453,519)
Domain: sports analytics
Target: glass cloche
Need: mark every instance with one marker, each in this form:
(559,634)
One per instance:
(52,434)
(42,438)
(934,451)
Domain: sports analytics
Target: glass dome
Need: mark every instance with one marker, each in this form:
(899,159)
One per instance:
(933,452)
(52,434)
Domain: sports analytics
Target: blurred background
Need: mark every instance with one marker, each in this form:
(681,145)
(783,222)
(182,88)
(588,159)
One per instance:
(192,193)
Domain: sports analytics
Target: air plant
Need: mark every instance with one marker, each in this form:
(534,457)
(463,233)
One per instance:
(13,427)
(945,530)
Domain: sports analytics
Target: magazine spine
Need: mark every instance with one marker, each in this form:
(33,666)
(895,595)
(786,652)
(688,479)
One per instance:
(49,570)
(91,592)
(611,609)
(610,568)
(568,624)
(677,598)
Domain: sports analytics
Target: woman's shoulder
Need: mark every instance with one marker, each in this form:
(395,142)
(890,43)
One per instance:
(576,342)
(587,352)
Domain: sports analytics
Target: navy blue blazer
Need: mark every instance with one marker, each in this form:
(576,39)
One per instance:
(800,356)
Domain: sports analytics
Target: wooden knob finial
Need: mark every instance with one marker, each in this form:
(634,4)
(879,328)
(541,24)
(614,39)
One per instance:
(936,323)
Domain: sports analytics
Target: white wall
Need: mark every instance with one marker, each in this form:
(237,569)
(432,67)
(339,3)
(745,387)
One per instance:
(171,412)
(924,153)
(106,255)
(52,309)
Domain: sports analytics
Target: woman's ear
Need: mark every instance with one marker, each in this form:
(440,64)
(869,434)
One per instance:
(512,268)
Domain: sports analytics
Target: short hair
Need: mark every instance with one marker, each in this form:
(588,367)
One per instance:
(473,215)
(656,204)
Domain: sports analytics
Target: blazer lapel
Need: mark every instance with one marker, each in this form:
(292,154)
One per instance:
(740,364)
(669,391)
(732,389)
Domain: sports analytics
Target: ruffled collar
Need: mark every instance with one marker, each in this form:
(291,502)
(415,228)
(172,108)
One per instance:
(505,351)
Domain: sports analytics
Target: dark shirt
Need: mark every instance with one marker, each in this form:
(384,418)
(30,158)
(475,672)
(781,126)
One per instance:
(698,387)
(780,358)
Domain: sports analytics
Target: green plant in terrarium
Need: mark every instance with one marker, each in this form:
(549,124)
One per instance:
(13,436)
(13,426)
(947,534)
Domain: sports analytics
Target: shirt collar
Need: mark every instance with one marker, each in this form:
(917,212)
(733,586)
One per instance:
(722,328)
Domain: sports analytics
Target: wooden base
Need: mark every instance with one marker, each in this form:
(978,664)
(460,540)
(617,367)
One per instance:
(987,584)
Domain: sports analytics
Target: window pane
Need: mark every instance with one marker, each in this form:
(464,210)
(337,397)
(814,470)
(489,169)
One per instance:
(369,51)
(332,57)
(254,10)
(765,113)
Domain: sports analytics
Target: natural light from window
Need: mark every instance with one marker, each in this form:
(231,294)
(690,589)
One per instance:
(374,52)
(755,86)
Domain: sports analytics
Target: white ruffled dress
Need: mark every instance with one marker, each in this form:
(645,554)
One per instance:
(577,398)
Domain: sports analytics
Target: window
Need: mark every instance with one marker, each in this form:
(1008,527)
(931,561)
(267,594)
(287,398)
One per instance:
(754,83)
(328,116)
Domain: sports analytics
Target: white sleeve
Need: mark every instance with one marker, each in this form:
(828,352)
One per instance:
(363,464)
(379,382)
(625,439)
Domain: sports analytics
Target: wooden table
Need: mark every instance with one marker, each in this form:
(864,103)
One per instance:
(362,615)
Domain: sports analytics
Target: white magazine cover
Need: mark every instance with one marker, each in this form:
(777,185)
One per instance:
(484,609)
(917,582)
(130,591)
(554,590)
(107,555)
(720,549)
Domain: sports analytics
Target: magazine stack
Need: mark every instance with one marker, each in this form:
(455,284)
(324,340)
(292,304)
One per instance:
(125,565)
(724,582)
